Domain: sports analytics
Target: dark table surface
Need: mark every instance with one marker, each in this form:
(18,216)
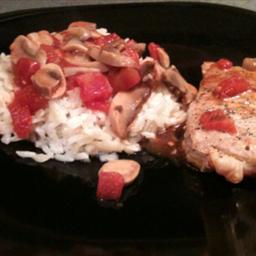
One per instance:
(12,5)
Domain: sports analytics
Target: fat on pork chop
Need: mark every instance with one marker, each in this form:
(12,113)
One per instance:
(221,125)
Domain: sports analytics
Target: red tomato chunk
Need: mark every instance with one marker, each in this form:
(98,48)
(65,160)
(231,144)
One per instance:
(217,120)
(124,79)
(110,186)
(30,97)
(23,71)
(27,101)
(22,119)
(232,86)
(53,55)
(94,87)
(224,64)
(72,81)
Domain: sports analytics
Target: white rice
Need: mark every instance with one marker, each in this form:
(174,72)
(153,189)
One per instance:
(6,96)
(159,112)
(67,131)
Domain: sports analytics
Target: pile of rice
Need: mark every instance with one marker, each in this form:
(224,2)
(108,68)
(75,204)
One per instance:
(67,131)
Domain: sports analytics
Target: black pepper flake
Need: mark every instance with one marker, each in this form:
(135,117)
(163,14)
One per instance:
(247,147)
(119,108)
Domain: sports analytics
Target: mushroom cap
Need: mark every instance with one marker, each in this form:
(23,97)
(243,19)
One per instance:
(93,66)
(23,47)
(84,24)
(111,57)
(50,80)
(163,57)
(172,77)
(76,53)
(124,108)
(81,33)
(249,64)
(129,169)
(41,37)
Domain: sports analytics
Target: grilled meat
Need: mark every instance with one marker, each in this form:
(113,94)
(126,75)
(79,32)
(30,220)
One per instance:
(221,125)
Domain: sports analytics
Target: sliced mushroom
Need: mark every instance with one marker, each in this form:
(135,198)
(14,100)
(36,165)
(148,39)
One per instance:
(76,54)
(111,57)
(41,37)
(158,72)
(78,32)
(249,64)
(163,57)
(206,66)
(50,80)
(95,34)
(22,47)
(147,66)
(150,69)
(124,108)
(84,24)
(117,45)
(129,169)
(93,50)
(75,45)
(173,78)
(58,36)
(88,26)
(93,66)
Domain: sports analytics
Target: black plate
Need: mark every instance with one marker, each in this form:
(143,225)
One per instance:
(171,210)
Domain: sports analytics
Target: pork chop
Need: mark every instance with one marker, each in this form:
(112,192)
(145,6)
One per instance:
(221,125)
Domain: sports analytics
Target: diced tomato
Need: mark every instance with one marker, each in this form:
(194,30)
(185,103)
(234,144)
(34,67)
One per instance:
(21,118)
(27,101)
(106,39)
(23,70)
(224,64)
(232,86)
(124,79)
(110,186)
(28,96)
(99,105)
(94,87)
(152,48)
(72,82)
(53,55)
(217,120)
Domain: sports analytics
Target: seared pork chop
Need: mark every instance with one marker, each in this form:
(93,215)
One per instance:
(221,126)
